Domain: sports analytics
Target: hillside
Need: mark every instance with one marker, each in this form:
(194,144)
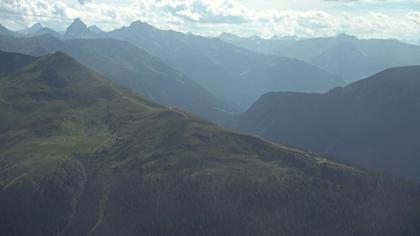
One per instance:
(131,67)
(373,122)
(82,156)
(346,56)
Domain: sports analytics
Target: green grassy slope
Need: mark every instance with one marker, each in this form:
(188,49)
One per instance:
(82,156)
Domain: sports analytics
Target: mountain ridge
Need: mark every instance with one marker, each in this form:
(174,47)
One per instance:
(371,122)
(344,55)
(226,65)
(230,66)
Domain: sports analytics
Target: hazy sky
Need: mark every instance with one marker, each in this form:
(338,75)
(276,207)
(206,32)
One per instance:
(305,18)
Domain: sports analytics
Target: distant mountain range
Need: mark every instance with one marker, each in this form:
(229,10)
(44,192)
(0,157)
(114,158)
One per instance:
(131,67)
(373,122)
(231,73)
(35,30)
(345,56)
(80,155)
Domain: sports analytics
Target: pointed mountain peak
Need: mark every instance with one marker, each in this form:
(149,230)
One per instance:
(77,29)
(95,29)
(4,30)
(77,24)
(140,27)
(138,23)
(33,29)
(141,24)
(47,31)
(78,21)
(36,26)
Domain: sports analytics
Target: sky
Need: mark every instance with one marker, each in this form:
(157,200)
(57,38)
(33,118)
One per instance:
(398,19)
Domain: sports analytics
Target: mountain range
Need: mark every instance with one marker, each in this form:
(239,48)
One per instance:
(373,122)
(346,56)
(80,155)
(131,67)
(231,73)
(218,66)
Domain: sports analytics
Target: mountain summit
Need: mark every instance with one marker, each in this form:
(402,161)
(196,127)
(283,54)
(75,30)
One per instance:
(77,29)
(5,31)
(95,29)
(33,29)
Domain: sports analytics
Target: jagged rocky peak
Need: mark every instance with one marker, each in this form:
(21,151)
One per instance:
(77,27)
(35,27)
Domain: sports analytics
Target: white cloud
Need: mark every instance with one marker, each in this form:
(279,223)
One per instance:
(210,17)
(83,2)
(415,17)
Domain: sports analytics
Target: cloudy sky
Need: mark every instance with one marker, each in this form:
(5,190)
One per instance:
(398,19)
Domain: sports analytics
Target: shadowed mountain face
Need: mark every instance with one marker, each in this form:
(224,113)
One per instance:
(345,56)
(229,72)
(131,67)
(373,122)
(82,156)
